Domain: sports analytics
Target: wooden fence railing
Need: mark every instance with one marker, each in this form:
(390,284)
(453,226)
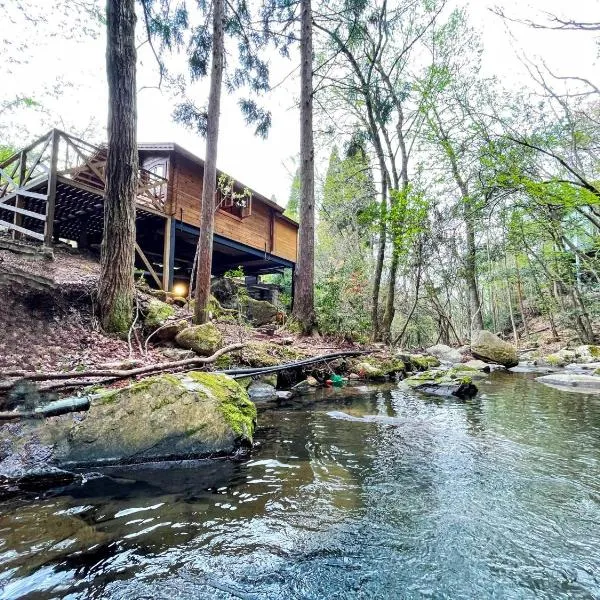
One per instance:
(60,156)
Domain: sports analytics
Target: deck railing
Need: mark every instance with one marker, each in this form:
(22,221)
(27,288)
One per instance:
(60,156)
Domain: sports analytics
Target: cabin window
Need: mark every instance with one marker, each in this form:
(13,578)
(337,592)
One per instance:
(232,201)
(238,207)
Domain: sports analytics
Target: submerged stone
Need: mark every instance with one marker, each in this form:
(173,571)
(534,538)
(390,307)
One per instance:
(259,391)
(574,382)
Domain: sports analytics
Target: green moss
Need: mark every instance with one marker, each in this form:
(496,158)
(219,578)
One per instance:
(424,377)
(157,313)
(224,362)
(595,351)
(554,360)
(237,409)
(244,382)
(227,318)
(421,362)
(203,339)
(119,317)
(266,354)
(462,368)
(107,396)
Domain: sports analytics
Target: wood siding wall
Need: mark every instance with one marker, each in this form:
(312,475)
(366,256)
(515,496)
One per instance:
(256,230)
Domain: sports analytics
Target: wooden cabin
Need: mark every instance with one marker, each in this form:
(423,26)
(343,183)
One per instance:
(54,190)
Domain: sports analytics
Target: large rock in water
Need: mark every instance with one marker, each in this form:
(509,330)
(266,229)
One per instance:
(449,382)
(202,339)
(160,418)
(261,392)
(490,348)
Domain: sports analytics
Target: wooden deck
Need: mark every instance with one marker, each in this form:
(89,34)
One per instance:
(55,188)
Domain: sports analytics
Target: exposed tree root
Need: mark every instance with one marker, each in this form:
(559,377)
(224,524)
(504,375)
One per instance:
(78,378)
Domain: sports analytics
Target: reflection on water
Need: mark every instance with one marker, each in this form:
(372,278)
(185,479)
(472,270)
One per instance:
(367,493)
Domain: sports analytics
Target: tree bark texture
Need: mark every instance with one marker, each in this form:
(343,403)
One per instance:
(376,329)
(116,286)
(209,186)
(471,270)
(303,309)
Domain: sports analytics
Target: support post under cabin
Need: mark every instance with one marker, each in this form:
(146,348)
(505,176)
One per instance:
(168,254)
(51,195)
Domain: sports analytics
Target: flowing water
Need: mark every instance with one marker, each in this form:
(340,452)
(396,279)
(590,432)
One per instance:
(366,493)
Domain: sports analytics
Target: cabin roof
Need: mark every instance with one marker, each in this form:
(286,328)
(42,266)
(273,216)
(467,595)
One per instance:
(177,149)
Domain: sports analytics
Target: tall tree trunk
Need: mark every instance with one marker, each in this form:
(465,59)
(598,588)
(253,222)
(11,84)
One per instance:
(471,271)
(209,184)
(304,310)
(116,288)
(520,298)
(376,329)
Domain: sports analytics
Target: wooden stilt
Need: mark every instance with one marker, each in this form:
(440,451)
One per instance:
(168,255)
(51,195)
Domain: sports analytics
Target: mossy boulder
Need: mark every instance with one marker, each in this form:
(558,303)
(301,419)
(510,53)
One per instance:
(267,354)
(490,348)
(225,291)
(378,367)
(449,382)
(164,417)
(169,330)
(419,362)
(203,339)
(157,313)
(260,312)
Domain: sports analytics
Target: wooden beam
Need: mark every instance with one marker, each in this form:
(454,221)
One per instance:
(31,146)
(35,164)
(168,256)
(22,192)
(21,211)
(148,265)
(33,234)
(51,200)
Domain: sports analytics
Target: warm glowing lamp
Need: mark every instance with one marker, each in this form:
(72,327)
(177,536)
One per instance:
(180,289)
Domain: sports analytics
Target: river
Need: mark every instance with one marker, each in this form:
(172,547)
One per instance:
(369,492)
